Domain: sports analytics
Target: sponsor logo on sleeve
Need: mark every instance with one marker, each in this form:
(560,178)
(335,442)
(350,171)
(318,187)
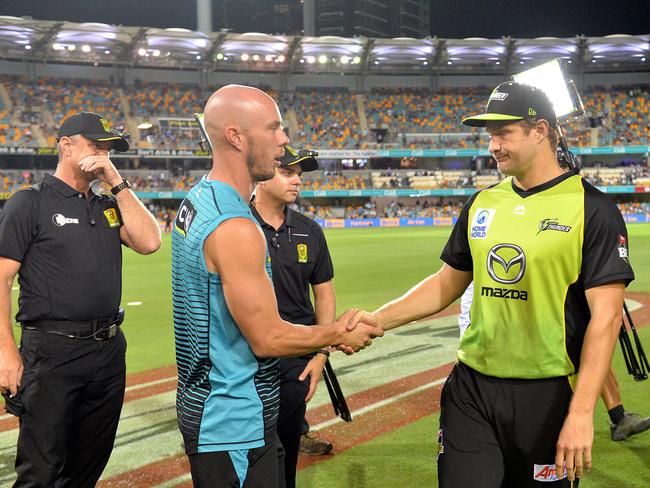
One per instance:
(547,473)
(622,247)
(185,217)
(481,222)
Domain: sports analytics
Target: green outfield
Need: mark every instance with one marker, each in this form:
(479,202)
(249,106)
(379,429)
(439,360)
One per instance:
(372,266)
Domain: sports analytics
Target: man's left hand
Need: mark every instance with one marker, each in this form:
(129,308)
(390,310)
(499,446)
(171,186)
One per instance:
(574,445)
(314,370)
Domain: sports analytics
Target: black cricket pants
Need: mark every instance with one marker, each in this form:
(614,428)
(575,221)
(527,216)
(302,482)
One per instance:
(500,433)
(261,467)
(72,393)
(292,412)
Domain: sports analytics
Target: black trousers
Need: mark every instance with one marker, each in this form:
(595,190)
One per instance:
(71,394)
(292,413)
(262,467)
(500,433)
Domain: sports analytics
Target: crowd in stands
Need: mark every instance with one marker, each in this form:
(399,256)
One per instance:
(157,180)
(334,181)
(14,181)
(327,117)
(634,208)
(415,118)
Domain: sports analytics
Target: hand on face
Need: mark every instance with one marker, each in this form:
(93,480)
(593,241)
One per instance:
(100,166)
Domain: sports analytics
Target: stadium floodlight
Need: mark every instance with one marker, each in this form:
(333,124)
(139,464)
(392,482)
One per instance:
(57,47)
(108,51)
(280,58)
(155,53)
(256,57)
(71,47)
(302,61)
(345,59)
(553,80)
(28,46)
(311,59)
(85,48)
(220,56)
(198,57)
(142,52)
(244,57)
(322,59)
(268,58)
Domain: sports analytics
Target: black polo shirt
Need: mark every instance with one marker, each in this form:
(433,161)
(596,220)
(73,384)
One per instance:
(299,257)
(70,252)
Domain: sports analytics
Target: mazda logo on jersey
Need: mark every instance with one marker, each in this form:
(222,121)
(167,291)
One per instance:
(506,263)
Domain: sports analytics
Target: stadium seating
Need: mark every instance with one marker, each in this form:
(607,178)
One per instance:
(319,118)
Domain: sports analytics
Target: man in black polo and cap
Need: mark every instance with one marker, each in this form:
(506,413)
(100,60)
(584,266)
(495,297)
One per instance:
(549,259)
(66,383)
(299,259)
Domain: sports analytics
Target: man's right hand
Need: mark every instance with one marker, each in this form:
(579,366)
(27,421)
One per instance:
(11,368)
(358,338)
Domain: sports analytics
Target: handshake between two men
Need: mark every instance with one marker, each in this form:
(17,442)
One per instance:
(358,329)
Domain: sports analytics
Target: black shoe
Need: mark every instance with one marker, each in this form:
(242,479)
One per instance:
(313,446)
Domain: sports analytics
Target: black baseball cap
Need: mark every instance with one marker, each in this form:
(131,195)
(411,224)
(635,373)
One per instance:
(94,127)
(305,158)
(515,101)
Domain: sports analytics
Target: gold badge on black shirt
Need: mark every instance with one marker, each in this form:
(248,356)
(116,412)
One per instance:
(302,253)
(111,217)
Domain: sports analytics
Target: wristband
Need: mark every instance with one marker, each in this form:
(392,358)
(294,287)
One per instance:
(325,352)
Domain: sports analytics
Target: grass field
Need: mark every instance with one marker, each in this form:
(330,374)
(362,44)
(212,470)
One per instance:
(372,266)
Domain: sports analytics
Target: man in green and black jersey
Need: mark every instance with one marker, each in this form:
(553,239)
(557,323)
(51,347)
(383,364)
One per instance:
(548,254)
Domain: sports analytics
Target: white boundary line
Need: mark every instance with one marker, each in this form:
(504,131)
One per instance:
(379,404)
(150,383)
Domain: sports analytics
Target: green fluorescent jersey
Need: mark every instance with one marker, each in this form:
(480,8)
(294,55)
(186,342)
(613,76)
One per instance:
(533,253)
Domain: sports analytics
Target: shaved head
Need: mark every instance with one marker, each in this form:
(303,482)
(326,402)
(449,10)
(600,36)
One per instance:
(244,124)
(235,105)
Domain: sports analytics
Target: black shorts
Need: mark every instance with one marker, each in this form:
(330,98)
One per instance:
(262,467)
(500,433)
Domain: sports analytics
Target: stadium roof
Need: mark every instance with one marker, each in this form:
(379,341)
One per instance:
(102,44)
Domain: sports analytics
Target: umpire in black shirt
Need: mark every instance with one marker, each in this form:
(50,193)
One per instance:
(67,382)
(299,258)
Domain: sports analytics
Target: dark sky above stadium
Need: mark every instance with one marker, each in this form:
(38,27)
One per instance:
(449,18)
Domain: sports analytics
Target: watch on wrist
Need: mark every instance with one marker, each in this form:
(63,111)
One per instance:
(122,186)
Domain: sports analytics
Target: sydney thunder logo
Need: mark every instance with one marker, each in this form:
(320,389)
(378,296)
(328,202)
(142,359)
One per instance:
(552,224)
